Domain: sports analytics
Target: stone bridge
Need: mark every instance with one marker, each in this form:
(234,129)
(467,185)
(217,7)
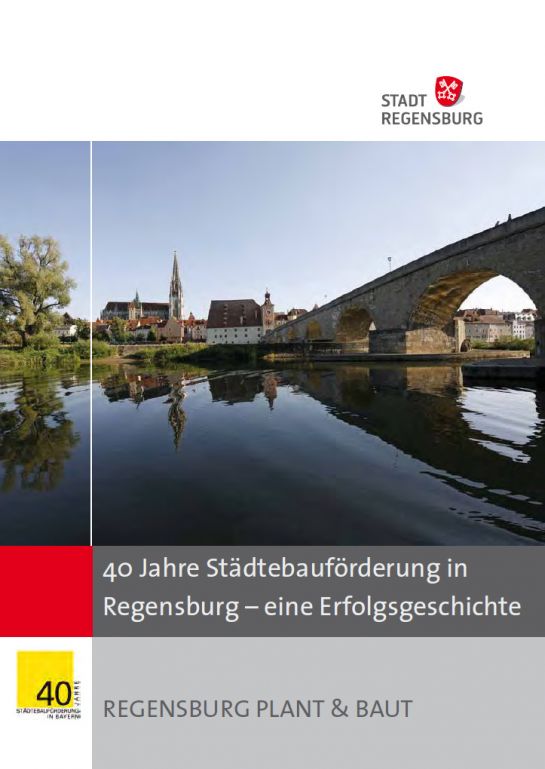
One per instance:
(411,309)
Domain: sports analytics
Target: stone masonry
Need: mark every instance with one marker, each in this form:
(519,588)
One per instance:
(411,309)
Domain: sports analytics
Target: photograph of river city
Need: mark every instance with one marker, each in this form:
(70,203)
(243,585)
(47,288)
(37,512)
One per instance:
(289,343)
(384,384)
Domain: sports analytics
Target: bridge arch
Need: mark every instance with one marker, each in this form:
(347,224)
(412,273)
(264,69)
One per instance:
(439,302)
(353,325)
(432,319)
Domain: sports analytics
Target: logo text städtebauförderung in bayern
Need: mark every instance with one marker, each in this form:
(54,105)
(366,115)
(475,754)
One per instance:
(416,109)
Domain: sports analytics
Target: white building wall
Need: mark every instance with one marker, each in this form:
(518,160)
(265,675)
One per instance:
(530,330)
(65,331)
(487,332)
(234,335)
(522,329)
(518,329)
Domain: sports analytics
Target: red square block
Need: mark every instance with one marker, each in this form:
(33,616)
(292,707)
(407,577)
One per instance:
(46,591)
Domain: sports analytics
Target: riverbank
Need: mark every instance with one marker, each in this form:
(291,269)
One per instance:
(221,355)
(192,353)
(363,357)
(68,357)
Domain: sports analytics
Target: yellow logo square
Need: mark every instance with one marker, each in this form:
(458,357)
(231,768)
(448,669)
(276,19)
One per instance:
(45,679)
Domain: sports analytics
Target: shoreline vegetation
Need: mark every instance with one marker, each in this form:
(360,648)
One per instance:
(61,356)
(506,343)
(73,355)
(198,352)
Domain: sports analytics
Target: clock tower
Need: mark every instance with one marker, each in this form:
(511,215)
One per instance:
(267,313)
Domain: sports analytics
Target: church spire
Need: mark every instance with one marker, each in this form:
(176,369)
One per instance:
(175,272)
(176,296)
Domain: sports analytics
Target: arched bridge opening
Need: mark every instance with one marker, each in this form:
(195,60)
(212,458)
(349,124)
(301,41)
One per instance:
(353,327)
(434,325)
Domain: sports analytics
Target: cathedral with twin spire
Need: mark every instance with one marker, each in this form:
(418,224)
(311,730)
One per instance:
(135,309)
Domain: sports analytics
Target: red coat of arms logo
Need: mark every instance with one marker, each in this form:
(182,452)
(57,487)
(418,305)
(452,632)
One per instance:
(448,90)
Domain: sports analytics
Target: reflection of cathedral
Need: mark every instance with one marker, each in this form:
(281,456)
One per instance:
(176,414)
(142,387)
(174,308)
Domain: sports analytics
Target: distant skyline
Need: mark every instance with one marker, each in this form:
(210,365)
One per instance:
(44,190)
(308,221)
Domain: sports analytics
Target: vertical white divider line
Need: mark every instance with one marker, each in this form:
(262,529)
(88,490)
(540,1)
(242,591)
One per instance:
(91,343)
(90,711)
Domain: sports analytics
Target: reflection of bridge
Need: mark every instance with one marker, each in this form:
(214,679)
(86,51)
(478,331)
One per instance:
(420,411)
(411,309)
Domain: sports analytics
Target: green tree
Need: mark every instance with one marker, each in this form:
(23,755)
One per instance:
(33,284)
(8,335)
(118,329)
(152,336)
(101,335)
(84,328)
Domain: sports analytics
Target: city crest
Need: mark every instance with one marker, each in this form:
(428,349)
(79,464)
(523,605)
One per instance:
(448,90)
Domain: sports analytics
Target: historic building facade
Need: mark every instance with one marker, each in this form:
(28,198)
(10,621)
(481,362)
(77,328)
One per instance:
(137,309)
(195,328)
(239,321)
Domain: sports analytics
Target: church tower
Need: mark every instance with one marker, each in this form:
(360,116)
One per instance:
(176,296)
(135,308)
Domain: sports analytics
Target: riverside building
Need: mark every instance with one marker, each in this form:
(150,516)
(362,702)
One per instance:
(239,321)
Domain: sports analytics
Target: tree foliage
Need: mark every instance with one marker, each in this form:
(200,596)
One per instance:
(84,328)
(118,328)
(33,284)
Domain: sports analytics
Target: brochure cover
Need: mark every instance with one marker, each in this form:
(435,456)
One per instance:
(272,386)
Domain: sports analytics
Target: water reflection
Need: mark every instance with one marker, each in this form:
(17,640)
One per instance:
(128,384)
(36,435)
(424,461)
(243,387)
(176,414)
(135,386)
(509,417)
(44,458)
(470,438)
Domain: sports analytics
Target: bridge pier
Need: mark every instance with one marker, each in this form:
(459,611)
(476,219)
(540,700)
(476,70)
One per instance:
(418,341)
(391,341)
(539,331)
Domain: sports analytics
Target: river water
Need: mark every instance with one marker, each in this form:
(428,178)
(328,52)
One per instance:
(44,458)
(340,454)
